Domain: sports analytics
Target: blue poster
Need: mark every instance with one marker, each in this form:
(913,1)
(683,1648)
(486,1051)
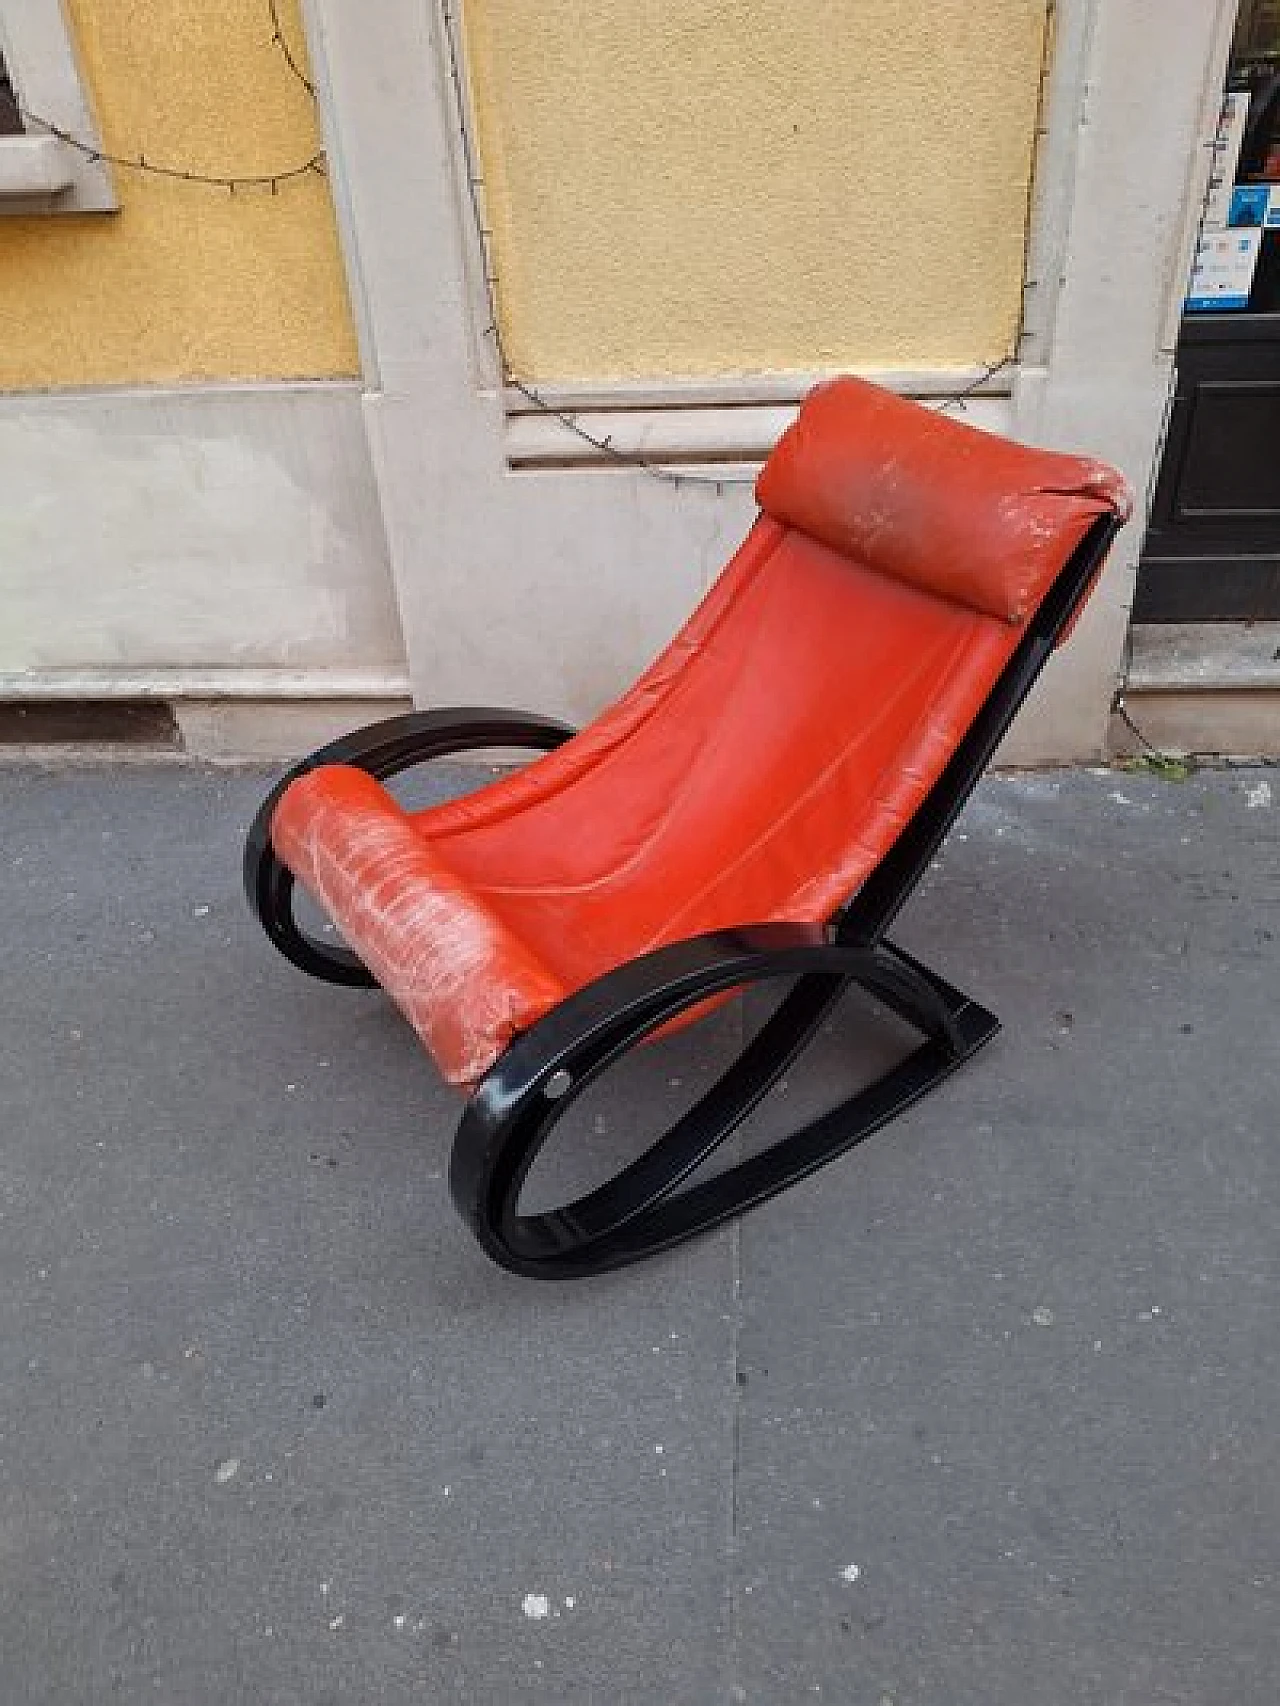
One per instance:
(1250,204)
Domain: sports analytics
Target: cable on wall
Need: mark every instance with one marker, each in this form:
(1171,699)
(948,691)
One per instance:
(484,245)
(229,181)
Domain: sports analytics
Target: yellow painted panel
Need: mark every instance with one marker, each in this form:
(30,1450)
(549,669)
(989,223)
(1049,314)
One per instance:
(693,187)
(185,282)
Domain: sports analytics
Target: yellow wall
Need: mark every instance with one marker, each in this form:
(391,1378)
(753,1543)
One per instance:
(185,282)
(707,186)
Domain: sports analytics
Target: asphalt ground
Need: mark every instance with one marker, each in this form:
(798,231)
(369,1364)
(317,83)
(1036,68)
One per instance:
(982,1415)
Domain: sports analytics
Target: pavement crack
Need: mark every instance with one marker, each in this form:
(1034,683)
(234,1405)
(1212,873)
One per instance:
(733,1601)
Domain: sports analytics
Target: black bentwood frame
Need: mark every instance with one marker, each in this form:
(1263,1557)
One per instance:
(515,1106)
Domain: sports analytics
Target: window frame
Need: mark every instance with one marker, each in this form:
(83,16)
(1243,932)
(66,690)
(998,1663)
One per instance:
(38,172)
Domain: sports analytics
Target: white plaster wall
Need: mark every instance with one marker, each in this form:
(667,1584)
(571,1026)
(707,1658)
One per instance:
(227,529)
(1138,91)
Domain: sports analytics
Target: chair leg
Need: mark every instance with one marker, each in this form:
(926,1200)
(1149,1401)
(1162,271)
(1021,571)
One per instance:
(642,1210)
(963,1013)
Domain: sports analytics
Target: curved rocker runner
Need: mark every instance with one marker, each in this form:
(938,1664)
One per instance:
(759,805)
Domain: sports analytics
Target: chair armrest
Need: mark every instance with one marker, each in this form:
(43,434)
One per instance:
(381,750)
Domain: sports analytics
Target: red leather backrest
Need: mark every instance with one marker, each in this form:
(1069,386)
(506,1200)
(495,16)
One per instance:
(913,494)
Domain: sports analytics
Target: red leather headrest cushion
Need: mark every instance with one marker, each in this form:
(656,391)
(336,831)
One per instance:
(926,499)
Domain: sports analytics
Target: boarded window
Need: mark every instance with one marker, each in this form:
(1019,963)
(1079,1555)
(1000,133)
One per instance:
(692,189)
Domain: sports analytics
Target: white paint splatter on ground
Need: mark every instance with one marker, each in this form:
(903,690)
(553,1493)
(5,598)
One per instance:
(227,1470)
(1259,796)
(851,1572)
(536,1605)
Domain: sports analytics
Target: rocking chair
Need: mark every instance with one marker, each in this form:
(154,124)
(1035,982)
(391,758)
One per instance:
(759,805)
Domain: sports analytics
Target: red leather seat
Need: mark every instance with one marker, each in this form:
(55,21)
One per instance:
(763,765)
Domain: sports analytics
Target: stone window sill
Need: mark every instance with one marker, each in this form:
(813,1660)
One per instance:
(34,171)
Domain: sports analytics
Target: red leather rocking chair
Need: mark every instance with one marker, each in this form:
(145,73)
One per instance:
(759,805)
